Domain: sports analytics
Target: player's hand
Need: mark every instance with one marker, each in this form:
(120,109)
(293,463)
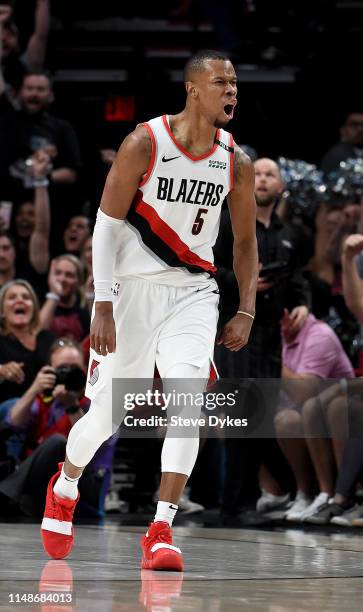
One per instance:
(353,245)
(236,332)
(103,331)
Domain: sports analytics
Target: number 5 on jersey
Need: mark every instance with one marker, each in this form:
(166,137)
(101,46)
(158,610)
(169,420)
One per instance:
(198,223)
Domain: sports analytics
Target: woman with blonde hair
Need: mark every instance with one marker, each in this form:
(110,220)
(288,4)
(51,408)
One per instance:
(64,311)
(24,345)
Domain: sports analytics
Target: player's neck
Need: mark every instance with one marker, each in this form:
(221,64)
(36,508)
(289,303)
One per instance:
(193,132)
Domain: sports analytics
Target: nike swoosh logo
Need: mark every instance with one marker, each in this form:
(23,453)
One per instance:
(207,287)
(164,159)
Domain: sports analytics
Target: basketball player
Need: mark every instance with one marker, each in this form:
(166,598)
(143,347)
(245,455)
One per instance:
(155,229)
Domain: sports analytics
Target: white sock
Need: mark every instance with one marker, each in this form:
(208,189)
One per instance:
(165,511)
(66,486)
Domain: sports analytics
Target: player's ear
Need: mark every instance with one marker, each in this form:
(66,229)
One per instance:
(191,89)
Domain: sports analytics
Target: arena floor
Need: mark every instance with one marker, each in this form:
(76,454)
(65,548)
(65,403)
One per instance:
(226,570)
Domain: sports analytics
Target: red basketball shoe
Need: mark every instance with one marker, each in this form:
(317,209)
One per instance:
(158,553)
(57,530)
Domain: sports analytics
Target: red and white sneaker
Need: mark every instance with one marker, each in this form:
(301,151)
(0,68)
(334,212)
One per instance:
(57,530)
(158,553)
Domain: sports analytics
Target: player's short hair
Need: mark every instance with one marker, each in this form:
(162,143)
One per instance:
(196,62)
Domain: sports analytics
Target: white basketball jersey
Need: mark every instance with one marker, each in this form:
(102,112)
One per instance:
(173,222)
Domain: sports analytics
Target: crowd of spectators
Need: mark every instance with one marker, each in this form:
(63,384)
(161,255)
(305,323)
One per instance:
(306,460)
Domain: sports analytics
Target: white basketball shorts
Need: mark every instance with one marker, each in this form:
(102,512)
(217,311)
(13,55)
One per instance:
(156,324)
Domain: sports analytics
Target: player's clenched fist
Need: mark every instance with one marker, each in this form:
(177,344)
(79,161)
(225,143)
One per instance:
(236,332)
(103,332)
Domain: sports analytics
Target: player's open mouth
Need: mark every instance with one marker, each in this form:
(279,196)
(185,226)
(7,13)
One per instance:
(228,110)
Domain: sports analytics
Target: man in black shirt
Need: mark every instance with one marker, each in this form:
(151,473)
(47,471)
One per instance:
(281,285)
(31,129)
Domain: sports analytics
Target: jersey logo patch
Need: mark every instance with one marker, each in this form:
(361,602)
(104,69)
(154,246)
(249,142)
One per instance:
(213,163)
(115,288)
(94,372)
(166,159)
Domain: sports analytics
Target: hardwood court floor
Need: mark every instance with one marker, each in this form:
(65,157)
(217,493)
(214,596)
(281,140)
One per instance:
(226,570)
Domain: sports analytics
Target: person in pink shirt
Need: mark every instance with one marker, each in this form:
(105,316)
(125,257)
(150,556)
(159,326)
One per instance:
(311,356)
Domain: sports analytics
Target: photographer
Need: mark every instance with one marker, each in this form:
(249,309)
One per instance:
(45,414)
(281,285)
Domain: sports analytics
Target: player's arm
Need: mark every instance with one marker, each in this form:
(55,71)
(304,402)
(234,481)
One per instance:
(131,163)
(242,208)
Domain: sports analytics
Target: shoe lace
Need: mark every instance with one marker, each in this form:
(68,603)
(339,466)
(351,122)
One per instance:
(60,512)
(160,536)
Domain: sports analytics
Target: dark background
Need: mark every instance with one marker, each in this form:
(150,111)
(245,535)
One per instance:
(320,41)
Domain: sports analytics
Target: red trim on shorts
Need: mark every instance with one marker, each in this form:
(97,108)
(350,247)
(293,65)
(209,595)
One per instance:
(184,151)
(231,163)
(170,237)
(153,154)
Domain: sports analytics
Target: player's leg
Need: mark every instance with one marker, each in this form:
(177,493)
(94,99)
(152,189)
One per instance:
(84,439)
(184,351)
(181,443)
(179,454)
(133,355)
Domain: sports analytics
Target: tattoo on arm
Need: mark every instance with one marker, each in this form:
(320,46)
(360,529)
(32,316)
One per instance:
(241,160)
